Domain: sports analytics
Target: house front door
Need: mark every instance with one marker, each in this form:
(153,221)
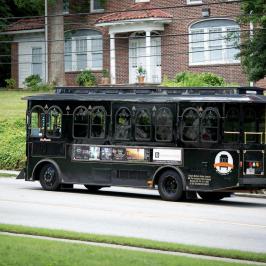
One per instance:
(137,57)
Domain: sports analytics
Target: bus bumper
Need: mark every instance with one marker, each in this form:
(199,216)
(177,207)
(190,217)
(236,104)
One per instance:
(22,174)
(257,182)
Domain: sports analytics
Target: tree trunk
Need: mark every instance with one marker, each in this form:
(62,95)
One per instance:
(56,43)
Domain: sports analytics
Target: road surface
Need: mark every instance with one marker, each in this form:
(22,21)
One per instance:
(234,223)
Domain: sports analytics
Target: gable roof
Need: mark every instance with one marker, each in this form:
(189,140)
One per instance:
(26,24)
(136,11)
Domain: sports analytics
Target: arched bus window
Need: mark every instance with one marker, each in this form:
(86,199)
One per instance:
(37,122)
(190,125)
(123,124)
(143,125)
(80,122)
(98,120)
(210,125)
(232,125)
(54,122)
(164,125)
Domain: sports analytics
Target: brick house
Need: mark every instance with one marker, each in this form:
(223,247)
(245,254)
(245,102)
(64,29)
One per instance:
(165,37)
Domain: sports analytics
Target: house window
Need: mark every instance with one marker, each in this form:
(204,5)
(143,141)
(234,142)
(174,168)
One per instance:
(65,6)
(214,42)
(191,2)
(80,123)
(143,125)
(54,122)
(97,5)
(98,117)
(123,124)
(37,61)
(37,122)
(164,125)
(83,50)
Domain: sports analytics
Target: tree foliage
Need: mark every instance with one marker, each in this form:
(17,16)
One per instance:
(253,48)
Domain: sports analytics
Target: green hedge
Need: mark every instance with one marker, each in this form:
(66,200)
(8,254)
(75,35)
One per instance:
(12,148)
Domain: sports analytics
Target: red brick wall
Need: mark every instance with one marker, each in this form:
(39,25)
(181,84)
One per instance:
(261,83)
(174,48)
(14,62)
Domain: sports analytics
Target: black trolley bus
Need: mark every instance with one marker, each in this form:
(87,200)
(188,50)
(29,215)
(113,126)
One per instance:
(183,141)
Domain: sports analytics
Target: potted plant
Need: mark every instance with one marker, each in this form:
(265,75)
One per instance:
(141,72)
(105,77)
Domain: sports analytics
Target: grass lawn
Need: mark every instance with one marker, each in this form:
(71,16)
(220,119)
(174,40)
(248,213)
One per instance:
(12,107)
(22,251)
(12,129)
(134,242)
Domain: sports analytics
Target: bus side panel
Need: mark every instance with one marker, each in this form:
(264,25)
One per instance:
(208,170)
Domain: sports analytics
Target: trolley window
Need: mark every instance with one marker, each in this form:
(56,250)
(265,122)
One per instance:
(123,124)
(210,125)
(143,125)
(98,121)
(164,125)
(54,122)
(190,125)
(37,122)
(80,124)
(232,125)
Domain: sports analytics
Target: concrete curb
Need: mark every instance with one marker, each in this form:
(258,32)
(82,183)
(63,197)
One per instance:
(180,254)
(9,172)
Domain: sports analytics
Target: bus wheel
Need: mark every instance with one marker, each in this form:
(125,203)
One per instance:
(213,196)
(170,186)
(92,188)
(49,178)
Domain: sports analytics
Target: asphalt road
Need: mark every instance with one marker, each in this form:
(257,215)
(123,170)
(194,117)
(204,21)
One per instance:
(235,223)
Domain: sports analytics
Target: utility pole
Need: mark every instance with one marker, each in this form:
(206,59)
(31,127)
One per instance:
(46,42)
(56,43)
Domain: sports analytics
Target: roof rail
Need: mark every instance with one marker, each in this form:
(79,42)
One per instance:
(156,90)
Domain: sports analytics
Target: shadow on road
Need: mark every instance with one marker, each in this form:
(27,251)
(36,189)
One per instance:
(231,202)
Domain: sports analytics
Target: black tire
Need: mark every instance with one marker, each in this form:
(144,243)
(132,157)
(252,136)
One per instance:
(49,178)
(92,188)
(213,196)
(170,186)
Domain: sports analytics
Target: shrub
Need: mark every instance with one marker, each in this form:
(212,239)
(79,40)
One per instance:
(33,82)
(105,73)
(13,144)
(190,79)
(11,84)
(86,78)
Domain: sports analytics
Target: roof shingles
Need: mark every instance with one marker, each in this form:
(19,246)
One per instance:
(137,11)
(26,24)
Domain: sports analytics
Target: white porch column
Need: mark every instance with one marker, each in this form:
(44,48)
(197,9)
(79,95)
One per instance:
(112,59)
(148,57)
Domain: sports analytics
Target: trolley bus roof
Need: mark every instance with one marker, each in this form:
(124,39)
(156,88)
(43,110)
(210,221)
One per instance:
(155,95)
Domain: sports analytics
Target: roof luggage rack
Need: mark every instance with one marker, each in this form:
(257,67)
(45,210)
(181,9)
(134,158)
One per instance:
(156,90)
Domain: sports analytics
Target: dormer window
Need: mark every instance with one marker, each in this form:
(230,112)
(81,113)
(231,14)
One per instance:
(97,5)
